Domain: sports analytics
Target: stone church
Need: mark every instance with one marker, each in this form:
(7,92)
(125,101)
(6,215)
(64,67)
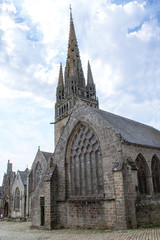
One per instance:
(19,195)
(105,170)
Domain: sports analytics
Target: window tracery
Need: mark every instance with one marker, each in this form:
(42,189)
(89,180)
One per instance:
(86,173)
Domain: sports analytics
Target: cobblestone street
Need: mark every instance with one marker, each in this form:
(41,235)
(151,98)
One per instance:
(22,231)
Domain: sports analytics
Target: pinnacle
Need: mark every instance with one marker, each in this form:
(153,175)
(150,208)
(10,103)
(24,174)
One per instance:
(60,81)
(89,75)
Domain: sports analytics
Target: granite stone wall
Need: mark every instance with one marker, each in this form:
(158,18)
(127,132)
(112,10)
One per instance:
(21,212)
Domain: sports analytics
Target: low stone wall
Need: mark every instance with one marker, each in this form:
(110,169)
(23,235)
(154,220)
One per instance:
(85,214)
(148,213)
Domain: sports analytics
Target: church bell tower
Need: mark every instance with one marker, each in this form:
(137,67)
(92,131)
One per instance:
(72,86)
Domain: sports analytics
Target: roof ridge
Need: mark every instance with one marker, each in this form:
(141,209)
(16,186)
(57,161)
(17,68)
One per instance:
(45,151)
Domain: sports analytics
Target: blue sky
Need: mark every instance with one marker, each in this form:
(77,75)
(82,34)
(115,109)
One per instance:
(120,38)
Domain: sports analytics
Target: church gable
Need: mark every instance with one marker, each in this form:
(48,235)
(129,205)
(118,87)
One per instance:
(38,169)
(19,195)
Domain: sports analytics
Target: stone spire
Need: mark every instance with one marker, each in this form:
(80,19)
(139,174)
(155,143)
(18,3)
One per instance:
(9,167)
(60,87)
(89,75)
(60,80)
(74,77)
(91,90)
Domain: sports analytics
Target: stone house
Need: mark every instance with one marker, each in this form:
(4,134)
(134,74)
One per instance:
(19,195)
(35,188)
(8,180)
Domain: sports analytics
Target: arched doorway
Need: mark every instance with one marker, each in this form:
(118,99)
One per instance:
(6,209)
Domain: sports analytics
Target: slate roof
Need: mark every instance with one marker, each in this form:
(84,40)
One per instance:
(24,175)
(131,131)
(46,155)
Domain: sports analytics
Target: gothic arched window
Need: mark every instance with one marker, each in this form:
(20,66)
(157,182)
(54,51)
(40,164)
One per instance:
(142,174)
(17,199)
(155,166)
(38,173)
(85,168)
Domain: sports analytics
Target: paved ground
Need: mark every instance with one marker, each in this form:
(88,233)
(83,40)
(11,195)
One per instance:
(22,231)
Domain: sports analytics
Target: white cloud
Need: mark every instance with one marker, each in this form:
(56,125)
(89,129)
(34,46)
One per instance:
(6,93)
(134,7)
(149,30)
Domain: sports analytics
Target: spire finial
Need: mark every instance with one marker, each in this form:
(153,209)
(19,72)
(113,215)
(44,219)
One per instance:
(70,12)
(60,81)
(89,75)
(70,8)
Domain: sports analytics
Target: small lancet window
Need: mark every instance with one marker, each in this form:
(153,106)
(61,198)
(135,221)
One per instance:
(142,174)
(17,199)
(156,174)
(38,172)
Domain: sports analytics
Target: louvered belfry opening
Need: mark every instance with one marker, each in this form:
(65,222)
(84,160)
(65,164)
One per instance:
(85,164)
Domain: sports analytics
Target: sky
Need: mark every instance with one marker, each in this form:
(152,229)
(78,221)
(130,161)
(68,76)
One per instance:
(121,39)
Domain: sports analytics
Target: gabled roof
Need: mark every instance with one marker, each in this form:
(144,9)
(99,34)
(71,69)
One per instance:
(131,131)
(24,175)
(46,155)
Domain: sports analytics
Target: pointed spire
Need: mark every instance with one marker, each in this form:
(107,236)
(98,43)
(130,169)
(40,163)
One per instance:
(73,58)
(60,80)
(89,76)
(72,35)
